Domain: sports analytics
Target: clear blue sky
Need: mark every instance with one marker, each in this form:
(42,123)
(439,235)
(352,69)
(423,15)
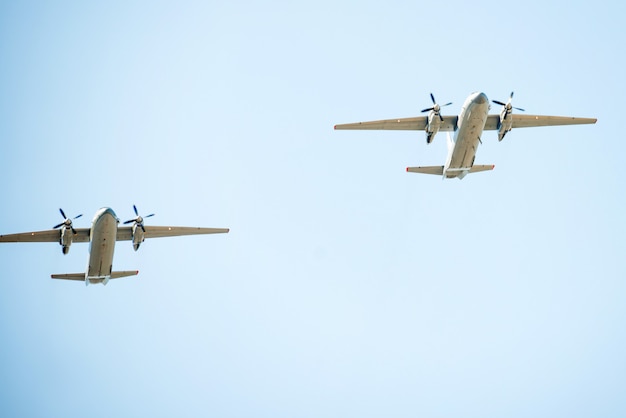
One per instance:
(346,287)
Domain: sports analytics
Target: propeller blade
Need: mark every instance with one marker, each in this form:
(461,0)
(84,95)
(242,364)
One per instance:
(58,226)
(139,219)
(62,213)
(73,230)
(440,117)
(433,98)
(76,217)
(508,104)
(447,104)
(428,110)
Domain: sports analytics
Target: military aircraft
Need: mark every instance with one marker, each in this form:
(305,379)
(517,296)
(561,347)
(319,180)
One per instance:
(102,235)
(468,128)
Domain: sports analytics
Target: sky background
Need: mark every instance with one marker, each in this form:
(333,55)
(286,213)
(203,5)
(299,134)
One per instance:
(346,286)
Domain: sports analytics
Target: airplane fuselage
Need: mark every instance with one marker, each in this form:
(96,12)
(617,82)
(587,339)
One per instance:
(463,146)
(102,240)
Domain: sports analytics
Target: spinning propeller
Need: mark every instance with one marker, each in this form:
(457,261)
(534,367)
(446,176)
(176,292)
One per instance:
(67,222)
(436,108)
(508,105)
(138,220)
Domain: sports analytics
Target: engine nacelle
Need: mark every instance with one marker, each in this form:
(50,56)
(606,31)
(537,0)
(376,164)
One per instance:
(505,124)
(66,239)
(138,236)
(432,127)
(434,119)
(506,117)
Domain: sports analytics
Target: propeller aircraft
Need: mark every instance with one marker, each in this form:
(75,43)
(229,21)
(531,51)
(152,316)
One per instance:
(102,236)
(467,127)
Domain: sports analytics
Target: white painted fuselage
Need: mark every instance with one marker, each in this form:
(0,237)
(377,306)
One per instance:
(103,236)
(463,145)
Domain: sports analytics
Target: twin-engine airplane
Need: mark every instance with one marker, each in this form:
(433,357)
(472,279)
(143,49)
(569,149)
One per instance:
(102,235)
(468,128)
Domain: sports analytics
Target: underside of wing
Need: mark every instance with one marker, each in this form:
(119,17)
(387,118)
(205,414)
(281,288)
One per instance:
(50,235)
(174,231)
(407,124)
(125,233)
(528,121)
(492,123)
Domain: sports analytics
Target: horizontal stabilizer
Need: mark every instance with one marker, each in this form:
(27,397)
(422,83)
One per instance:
(70,276)
(81,276)
(120,274)
(451,172)
(478,168)
(436,169)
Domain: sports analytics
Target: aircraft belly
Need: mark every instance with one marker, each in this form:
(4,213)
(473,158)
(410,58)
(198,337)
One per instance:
(465,151)
(468,138)
(104,235)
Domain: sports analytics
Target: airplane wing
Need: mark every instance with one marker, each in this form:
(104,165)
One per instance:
(407,124)
(50,235)
(125,233)
(449,123)
(527,121)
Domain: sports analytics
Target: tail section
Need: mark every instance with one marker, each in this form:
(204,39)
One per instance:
(120,274)
(483,167)
(70,276)
(435,169)
(81,277)
(450,172)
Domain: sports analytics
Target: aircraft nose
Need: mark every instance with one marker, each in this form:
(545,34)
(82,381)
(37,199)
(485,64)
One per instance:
(481,98)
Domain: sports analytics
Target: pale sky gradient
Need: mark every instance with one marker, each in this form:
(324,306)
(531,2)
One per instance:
(346,287)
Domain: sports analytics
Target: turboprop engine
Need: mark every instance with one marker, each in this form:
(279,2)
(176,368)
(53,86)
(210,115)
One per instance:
(434,119)
(67,232)
(138,229)
(506,119)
